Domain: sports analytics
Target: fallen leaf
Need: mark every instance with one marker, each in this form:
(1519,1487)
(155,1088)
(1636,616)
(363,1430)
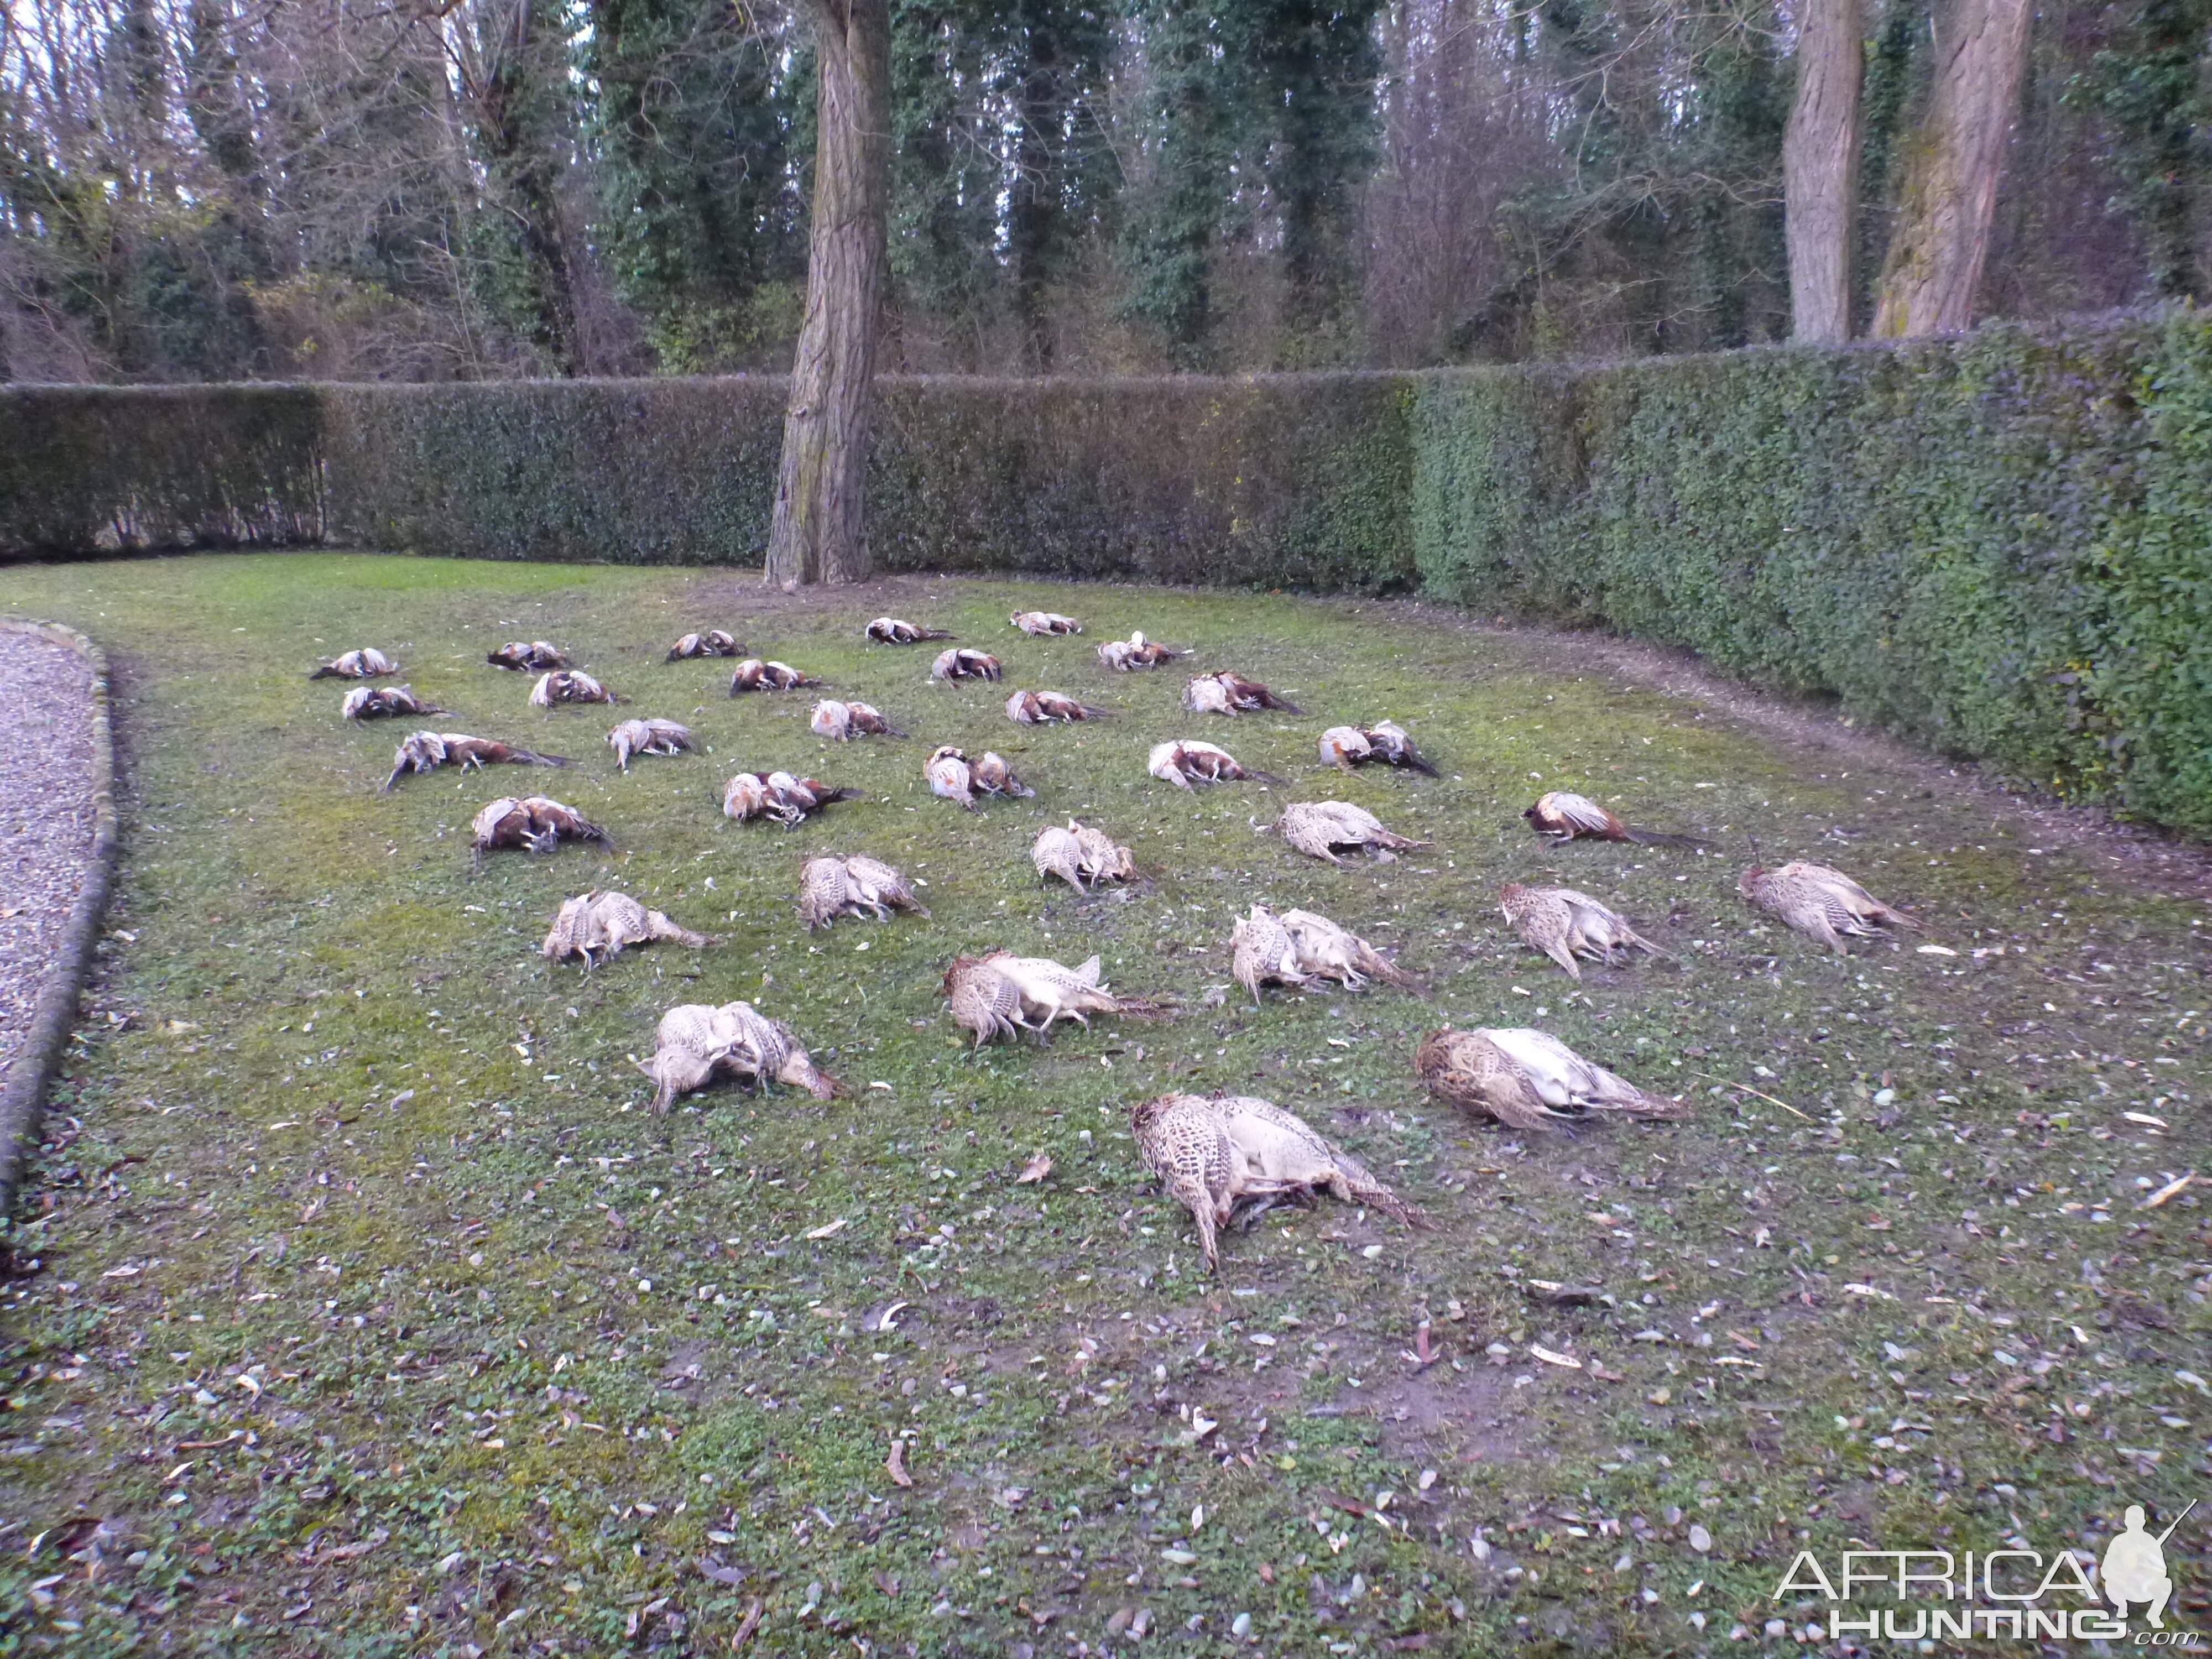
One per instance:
(1036,1169)
(895,1464)
(828,1230)
(2168,1191)
(1937,951)
(2144,1118)
(1551,1359)
(746,1625)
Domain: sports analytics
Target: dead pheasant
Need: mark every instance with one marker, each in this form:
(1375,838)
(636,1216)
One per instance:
(1565,924)
(1186,763)
(847,721)
(380,702)
(1349,746)
(832,887)
(1212,1154)
(755,675)
(708,642)
(982,1000)
(1229,692)
(533,656)
(1328,951)
(1566,817)
(533,824)
(891,630)
(426,751)
(960,663)
(1079,854)
(1046,707)
(995,777)
(950,777)
(1526,1079)
(647,738)
(1265,953)
(569,685)
(779,795)
(1039,623)
(1822,904)
(1318,829)
(366,664)
(599,926)
(1050,991)
(696,1044)
(1136,652)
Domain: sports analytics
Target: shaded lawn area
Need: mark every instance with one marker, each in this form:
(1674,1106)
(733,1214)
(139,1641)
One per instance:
(358,1306)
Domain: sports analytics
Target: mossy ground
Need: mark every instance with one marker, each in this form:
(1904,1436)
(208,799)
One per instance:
(358,1306)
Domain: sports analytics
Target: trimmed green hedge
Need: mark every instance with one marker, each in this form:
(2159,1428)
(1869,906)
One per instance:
(1999,544)
(99,469)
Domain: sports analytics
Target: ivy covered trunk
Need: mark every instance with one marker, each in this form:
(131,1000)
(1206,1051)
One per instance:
(1947,198)
(1819,169)
(819,531)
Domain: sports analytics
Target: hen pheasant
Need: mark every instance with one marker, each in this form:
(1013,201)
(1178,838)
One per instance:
(643,737)
(1526,1079)
(694,1044)
(1565,924)
(1045,992)
(1211,1154)
(1563,816)
(1822,904)
(1318,829)
(1264,953)
(982,1000)
(599,926)
(1040,624)
(832,887)
(1079,854)
(1328,951)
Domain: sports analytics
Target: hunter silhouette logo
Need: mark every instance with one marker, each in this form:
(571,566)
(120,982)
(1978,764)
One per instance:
(2016,1592)
(2135,1566)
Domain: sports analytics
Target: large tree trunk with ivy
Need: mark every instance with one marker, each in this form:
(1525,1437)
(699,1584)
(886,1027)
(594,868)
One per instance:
(819,532)
(1948,196)
(1819,170)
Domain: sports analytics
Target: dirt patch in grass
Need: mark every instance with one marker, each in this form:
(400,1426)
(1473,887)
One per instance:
(359,1306)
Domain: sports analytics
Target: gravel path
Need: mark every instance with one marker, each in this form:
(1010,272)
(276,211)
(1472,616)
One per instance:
(46,817)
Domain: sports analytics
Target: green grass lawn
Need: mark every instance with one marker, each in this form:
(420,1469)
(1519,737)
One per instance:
(358,1306)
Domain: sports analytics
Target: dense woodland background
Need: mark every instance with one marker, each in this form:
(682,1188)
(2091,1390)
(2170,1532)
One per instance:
(469,189)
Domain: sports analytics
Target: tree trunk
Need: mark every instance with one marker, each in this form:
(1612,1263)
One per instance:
(819,532)
(1819,170)
(1948,195)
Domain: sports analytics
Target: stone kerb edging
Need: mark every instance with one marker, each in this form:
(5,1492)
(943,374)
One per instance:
(23,1092)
